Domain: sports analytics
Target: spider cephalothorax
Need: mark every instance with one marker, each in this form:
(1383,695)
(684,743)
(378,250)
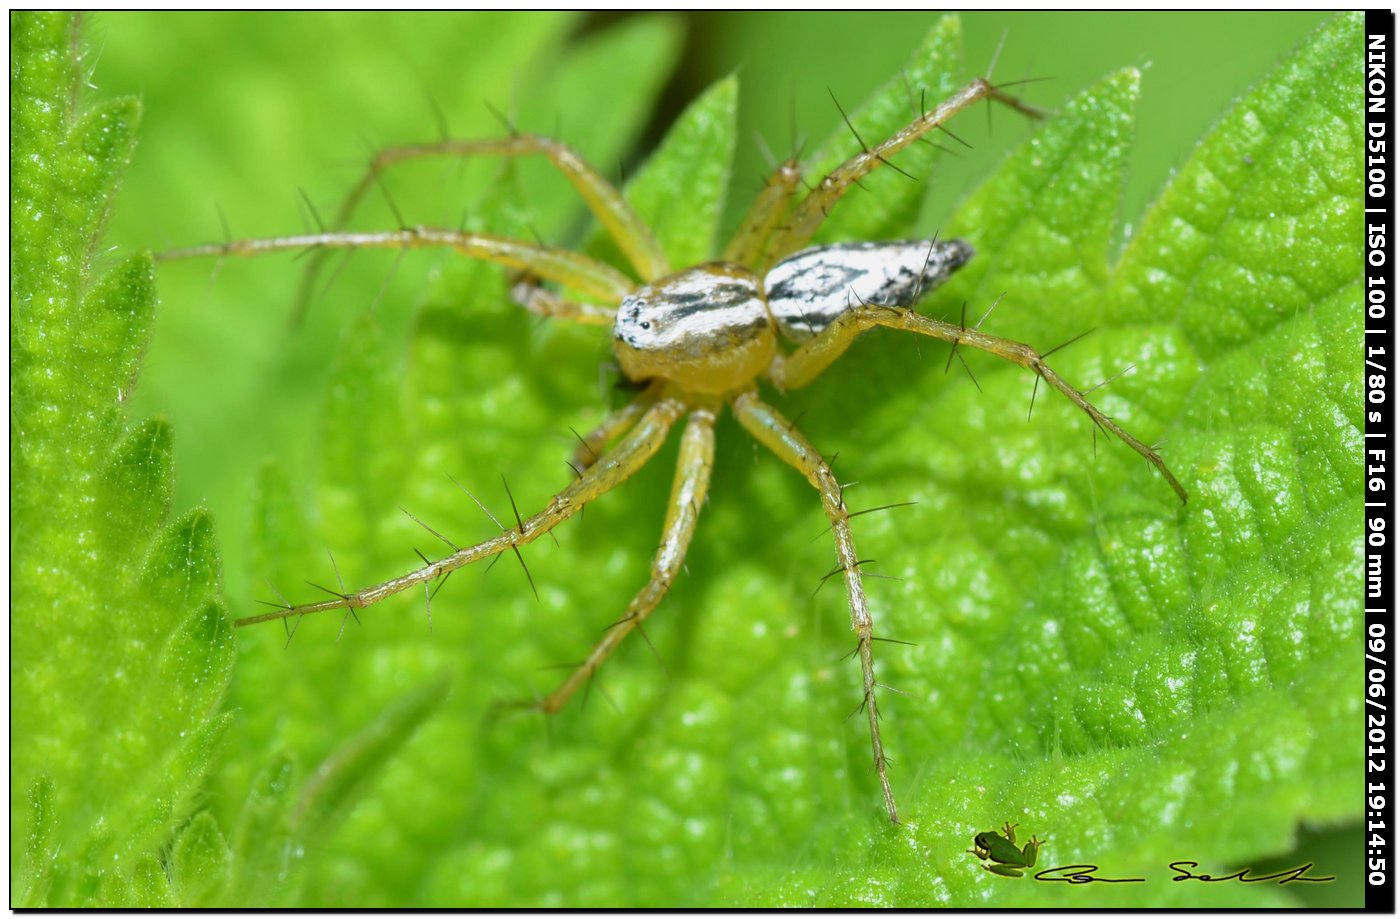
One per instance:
(707,329)
(698,339)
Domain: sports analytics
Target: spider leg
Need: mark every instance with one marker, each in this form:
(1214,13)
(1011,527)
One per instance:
(747,247)
(563,265)
(602,198)
(803,365)
(778,434)
(616,466)
(808,215)
(592,444)
(546,303)
(687,496)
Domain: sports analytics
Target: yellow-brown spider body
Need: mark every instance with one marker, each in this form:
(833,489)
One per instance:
(706,329)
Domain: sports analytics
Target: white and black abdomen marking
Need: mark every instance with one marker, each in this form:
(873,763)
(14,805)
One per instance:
(705,328)
(808,290)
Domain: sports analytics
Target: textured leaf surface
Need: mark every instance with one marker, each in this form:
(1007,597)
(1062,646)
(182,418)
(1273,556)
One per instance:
(1140,680)
(121,643)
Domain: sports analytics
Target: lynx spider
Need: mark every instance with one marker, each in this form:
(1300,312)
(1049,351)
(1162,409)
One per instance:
(696,340)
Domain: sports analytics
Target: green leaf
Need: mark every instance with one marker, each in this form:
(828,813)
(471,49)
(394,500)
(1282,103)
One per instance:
(264,850)
(151,886)
(886,202)
(681,189)
(138,482)
(198,861)
(122,647)
(363,407)
(683,202)
(335,784)
(39,846)
(1135,680)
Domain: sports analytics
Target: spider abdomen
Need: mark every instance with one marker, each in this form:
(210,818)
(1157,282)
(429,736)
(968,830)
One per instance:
(706,329)
(808,290)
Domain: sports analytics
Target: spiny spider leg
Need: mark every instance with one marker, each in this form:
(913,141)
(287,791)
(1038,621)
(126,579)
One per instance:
(777,434)
(592,444)
(550,305)
(808,215)
(803,365)
(747,247)
(632,236)
(687,497)
(563,265)
(616,466)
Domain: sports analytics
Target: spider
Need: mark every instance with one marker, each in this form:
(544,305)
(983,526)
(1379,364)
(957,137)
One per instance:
(695,341)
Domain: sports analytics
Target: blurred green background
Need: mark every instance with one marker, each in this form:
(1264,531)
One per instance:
(246,112)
